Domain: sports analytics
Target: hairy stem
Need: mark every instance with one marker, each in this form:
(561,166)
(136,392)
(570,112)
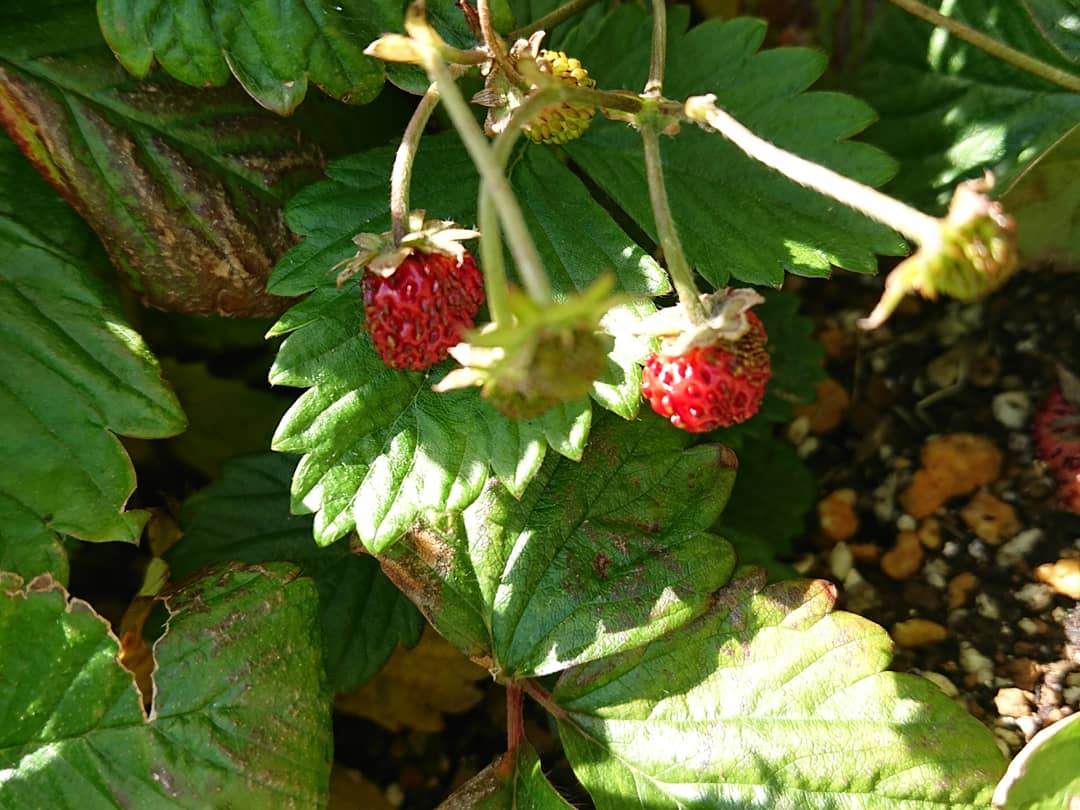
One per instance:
(401,176)
(678,267)
(517,233)
(550,20)
(992,46)
(658,54)
(543,697)
(515,727)
(915,225)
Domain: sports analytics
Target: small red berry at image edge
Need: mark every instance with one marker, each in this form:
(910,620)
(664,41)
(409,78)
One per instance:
(417,313)
(1057,440)
(712,386)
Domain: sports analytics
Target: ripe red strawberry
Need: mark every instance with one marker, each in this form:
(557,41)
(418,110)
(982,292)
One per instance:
(422,308)
(1057,439)
(712,386)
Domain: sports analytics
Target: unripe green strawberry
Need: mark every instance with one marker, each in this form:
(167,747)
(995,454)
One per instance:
(569,120)
(709,387)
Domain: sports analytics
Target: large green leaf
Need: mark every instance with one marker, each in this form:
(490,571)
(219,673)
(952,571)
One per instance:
(737,218)
(1044,775)
(1059,22)
(513,782)
(245,516)
(239,718)
(595,557)
(949,111)
(769,700)
(273,48)
(76,375)
(381,447)
(27,547)
(185,188)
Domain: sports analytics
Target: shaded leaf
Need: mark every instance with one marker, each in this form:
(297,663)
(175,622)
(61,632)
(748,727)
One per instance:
(513,782)
(1044,775)
(596,557)
(184,188)
(1045,200)
(737,219)
(227,418)
(238,709)
(949,110)
(245,516)
(27,547)
(76,375)
(417,687)
(273,49)
(380,446)
(770,700)
(1059,22)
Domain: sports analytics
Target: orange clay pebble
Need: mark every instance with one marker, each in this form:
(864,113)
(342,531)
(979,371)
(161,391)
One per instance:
(904,559)
(865,552)
(918,633)
(990,518)
(960,588)
(1063,576)
(828,408)
(951,465)
(836,516)
(929,533)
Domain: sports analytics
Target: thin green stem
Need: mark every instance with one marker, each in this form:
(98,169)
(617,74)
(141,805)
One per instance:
(608,99)
(493,42)
(678,267)
(658,54)
(517,233)
(401,176)
(992,46)
(550,20)
(915,225)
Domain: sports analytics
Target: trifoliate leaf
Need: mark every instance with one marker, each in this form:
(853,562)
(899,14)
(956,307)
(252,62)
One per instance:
(245,516)
(27,548)
(239,712)
(513,782)
(273,49)
(949,110)
(381,447)
(770,700)
(1044,776)
(184,187)
(595,557)
(76,375)
(1045,202)
(737,218)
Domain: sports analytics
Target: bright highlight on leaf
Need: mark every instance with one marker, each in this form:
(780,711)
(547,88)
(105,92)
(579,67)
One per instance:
(238,712)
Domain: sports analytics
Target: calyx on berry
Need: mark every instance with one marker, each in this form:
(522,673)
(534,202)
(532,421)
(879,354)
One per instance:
(544,356)
(528,68)
(975,255)
(420,295)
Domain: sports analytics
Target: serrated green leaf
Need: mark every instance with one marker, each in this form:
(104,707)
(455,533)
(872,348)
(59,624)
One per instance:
(513,782)
(595,557)
(737,219)
(184,188)
(76,375)
(27,547)
(770,700)
(245,516)
(1045,201)
(381,447)
(1044,775)
(949,111)
(272,48)
(239,711)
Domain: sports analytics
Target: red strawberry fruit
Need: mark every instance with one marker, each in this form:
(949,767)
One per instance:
(1057,439)
(422,309)
(713,386)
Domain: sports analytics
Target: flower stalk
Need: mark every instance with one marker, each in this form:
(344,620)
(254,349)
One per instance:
(401,176)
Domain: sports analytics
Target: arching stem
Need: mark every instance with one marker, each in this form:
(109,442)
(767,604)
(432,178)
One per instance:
(401,176)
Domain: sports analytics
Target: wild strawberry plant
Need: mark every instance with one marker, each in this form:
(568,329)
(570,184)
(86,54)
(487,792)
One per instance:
(475,320)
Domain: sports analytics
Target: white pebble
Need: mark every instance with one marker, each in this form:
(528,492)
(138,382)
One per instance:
(951,548)
(1072,695)
(1016,549)
(987,607)
(1028,626)
(841,561)
(936,573)
(1028,725)
(394,795)
(942,683)
(1012,409)
(977,664)
(906,523)
(1036,595)
(808,447)
(799,429)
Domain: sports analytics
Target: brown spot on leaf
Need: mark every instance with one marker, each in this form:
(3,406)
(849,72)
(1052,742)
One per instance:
(600,564)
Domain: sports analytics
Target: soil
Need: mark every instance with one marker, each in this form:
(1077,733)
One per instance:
(1002,643)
